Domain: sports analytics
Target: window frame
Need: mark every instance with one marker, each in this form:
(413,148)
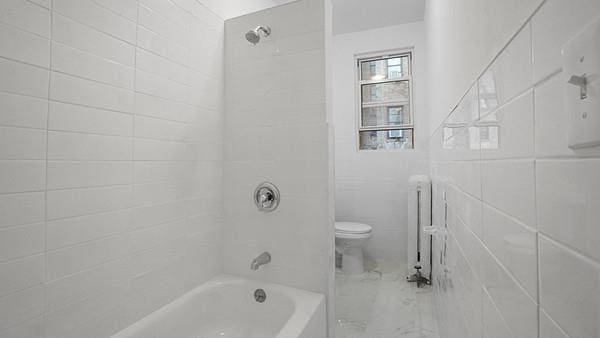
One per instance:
(359,82)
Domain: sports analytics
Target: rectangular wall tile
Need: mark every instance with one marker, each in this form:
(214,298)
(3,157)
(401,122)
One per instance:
(99,17)
(21,241)
(23,46)
(22,176)
(23,111)
(510,187)
(21,208)
(68,174)
(74,230)
(71,89)
(78,146)
(69,117)
(26,16)
(22,144)
(76,202)
(514,245)
(20,78)
(569,202)
(74,34)
(21,274)
(574,308)
(73,61)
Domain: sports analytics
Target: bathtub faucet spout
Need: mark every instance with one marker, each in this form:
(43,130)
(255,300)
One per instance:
(262,259)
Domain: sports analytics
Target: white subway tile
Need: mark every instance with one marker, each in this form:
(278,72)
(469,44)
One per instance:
(152,171)
(19,78)
(157,86)
(150,19)
(69,321)
(23,111)
(153,106)
(148,216)
(513,128)
(511,73)
(74,230)
(146,238)
(76,202)
(24,46)
(26,16)
(21,208)
(109,278)
(514,245)
(161,66)
(22,143)
(76,62)
(574,308)
(74,34)
(548,328)
(153,193)
(146,127)
(22,176)
(494,325)
(22,240)
(162,46)
(70,89)
(146,149)
(569,202)
(548,37)
(21,306)
(69,260)
(66,174)
(517,308)
(510,187)
(125,8)
(20,274)
(78,146)
(551,120)
(68,117)
(99,17)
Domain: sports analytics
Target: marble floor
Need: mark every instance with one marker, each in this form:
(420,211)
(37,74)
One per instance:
(381,304)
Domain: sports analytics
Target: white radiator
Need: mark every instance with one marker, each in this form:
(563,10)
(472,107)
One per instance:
(419,216)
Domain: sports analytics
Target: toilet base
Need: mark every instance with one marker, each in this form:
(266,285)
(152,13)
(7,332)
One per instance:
(352,260)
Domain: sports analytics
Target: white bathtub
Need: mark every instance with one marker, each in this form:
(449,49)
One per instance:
(225,307)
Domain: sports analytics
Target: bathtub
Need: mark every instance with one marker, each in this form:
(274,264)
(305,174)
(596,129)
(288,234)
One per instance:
(225,307)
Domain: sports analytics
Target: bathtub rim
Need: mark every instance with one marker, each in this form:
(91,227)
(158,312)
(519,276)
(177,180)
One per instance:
(306,305)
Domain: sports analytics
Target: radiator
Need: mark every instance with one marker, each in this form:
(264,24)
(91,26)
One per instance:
(419,216)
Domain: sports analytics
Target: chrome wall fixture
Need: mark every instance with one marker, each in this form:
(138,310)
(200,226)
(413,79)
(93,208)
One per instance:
(266,197)
(253,36)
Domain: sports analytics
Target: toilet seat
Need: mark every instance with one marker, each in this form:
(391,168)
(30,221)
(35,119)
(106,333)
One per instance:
(352,230)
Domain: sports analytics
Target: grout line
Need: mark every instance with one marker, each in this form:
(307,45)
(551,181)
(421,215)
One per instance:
(486,68)
(46,160)
(571,250)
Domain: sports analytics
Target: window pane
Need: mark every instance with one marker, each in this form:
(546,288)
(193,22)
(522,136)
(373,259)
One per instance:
(385,92)
(386,139)
(385,69)
(386,116)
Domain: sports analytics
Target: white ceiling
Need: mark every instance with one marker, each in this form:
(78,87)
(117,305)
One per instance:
(348,15)
(358,15)
(228,9)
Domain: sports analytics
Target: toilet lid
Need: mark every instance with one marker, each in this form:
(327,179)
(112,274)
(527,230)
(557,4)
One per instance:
(352,228)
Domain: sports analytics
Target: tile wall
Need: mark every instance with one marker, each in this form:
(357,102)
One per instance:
(111,122)
(521,258)
(277,132)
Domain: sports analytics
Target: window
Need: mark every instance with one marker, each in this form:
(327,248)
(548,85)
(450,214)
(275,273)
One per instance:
(385,105)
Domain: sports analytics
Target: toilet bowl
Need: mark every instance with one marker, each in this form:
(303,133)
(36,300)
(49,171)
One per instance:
(349,239)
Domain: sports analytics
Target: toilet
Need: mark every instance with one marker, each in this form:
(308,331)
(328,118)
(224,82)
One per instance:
(349,240)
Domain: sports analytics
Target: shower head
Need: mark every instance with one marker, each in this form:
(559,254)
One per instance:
(253,36)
